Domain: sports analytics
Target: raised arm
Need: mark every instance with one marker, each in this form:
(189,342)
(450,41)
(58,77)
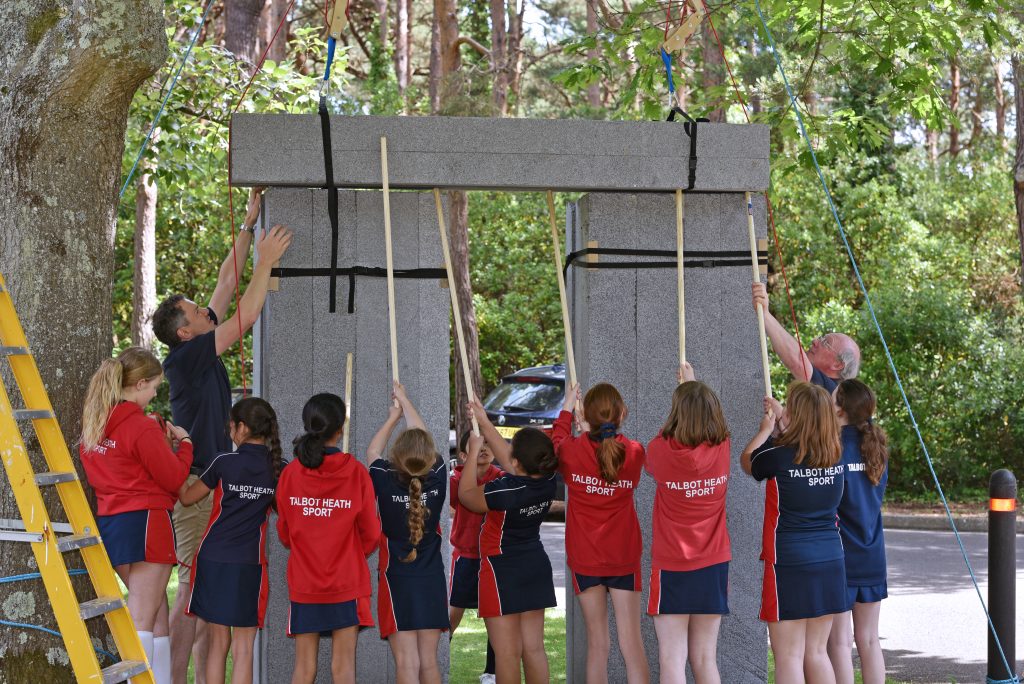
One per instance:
(237,259)
(784,344)
(471,494)
(380,440)
(271,245)
(501,449)
(764,431)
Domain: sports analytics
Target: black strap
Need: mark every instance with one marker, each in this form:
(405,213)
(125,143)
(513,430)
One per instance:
(332,202)
(353,271)
(692,259)
(690,127)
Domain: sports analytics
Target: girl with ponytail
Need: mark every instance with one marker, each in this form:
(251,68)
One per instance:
(412,595)
(690,551)
(229,580)
(601,469)
(136,464)
(327,518)
(866,457)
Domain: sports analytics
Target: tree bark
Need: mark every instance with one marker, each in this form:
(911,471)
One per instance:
(144,278)
(712,73)
(403,44)
(64,95)
(1000,106)
(977,112)
(273,13)
(954,106)
(499,57)
(458,236)
(241,32)
(1017,62)
(594,89)
(514,62)
(931,137)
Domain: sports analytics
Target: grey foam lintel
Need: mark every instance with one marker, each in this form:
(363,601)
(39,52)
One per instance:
(491,153)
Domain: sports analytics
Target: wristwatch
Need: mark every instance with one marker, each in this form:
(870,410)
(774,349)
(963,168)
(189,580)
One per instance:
(247,229)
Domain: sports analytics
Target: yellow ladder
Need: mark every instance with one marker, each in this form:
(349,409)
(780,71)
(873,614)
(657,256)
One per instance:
(37,528)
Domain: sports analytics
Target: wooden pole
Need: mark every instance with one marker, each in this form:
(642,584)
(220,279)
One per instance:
(390,259)
(760,311)
(569,355)
(679,276)
(348,403)
(456,312)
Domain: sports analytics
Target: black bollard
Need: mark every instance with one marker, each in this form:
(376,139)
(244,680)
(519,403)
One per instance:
(1002,573)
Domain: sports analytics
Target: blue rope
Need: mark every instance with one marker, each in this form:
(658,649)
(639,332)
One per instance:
(881,335)
(1014,680)
(24,625)
(330,59)
(666,59)
(160,112)
(35,575)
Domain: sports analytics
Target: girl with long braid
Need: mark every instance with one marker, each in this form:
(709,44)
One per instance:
(230,581)
(866,457)
(412,594)
(327,517)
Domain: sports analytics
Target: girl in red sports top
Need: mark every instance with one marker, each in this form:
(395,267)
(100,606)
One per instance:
(136,476)
(327,517)
(601,469)
(689,461)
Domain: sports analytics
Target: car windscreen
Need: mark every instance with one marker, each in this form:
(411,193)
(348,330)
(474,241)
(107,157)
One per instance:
(512,396)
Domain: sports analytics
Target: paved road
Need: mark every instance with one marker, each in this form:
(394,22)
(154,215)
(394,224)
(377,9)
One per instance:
(552,535)
(932,627)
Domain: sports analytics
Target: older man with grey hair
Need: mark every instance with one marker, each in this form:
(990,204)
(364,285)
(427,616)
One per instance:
(831,358)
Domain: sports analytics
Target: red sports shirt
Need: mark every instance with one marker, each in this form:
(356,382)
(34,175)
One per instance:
(602,532)
(689,505)
(327,517)
(466,524)
(132,468)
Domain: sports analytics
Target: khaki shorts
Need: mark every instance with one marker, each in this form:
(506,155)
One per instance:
(189,525)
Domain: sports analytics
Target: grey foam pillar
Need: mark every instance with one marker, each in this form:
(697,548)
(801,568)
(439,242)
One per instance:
(300,349)
(625,332)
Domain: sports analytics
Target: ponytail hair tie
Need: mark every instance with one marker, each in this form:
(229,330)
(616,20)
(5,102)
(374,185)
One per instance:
(607,431)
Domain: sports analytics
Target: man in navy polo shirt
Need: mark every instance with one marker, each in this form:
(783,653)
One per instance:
(200,396)
(831,358)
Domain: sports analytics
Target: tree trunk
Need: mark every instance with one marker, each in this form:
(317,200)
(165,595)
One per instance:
(1017,62)
(403,44)
(712,74)
(931,137)
(1000,97)
(241,32)
(499,57)
(594,89)
(382,14)
(61,143)
(458,235)
(514,62)
(954,105)
(144,279)
(273,13)
(436,72)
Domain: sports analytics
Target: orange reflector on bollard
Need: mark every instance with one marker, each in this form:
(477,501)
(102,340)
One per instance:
(1002,505)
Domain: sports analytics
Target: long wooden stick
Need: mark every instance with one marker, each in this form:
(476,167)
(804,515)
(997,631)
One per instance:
(570,357)
(390,259)
(348,402)
(456,311)
(760,311)
(679,276)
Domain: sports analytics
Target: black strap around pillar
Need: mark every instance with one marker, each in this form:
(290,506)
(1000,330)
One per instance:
(692,259)
(332,207)
(690,126)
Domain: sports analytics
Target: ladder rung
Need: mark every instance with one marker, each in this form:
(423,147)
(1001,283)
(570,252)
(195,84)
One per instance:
(31,537)
(32,414)
(58,527)
(14,351)
(76,541)
(123,671)
(100,606)
(52,478)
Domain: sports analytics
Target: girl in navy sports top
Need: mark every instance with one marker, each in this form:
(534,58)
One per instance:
(412,598)
(230,584)
(601,469)
(804,572)
(690,553)
(136,477)
(866,457)
(516,583)
(327,518)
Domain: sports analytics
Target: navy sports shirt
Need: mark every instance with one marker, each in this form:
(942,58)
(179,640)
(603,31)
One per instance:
(393,507)
(860,516)
(821,380)
(800,507)
(243,489)
(517,506)
(200,395)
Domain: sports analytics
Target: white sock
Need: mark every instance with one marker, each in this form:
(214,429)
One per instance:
(147,645)
(162,660)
